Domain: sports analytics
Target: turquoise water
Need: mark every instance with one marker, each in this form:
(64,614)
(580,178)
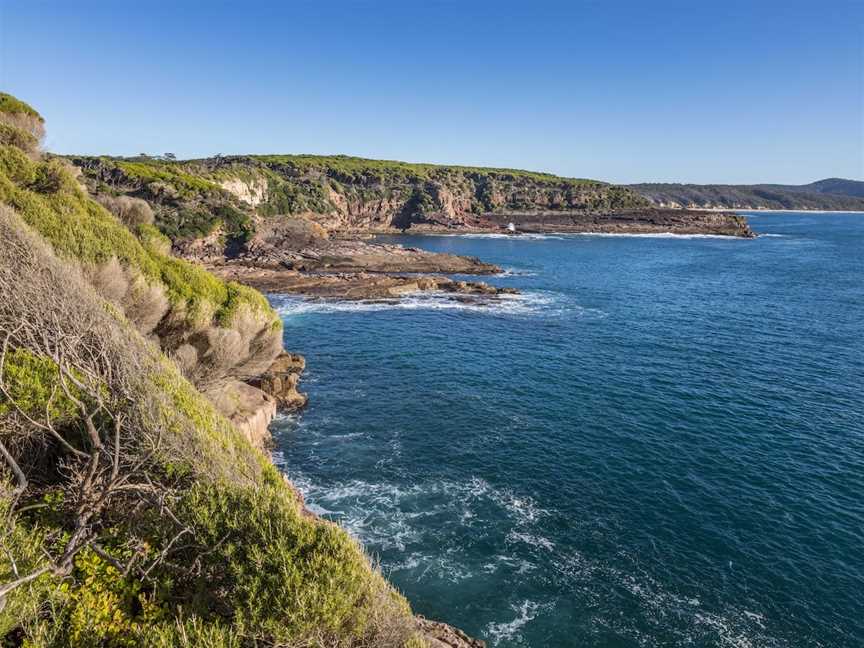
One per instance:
(660,443)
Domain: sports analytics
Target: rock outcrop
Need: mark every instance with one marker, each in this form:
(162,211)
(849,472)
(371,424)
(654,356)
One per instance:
(280,382)
(251,410)
(629,221)
(351,285)
(300,244)
(441,635)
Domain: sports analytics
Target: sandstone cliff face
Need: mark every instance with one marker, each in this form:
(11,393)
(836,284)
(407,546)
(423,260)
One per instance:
(345,195)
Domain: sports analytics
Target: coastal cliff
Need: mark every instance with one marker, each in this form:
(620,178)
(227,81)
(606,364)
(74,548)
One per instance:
(138,507)
(302,223)
(239,198)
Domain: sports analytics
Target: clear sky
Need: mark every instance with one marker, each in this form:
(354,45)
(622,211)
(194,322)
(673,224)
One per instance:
(698,91)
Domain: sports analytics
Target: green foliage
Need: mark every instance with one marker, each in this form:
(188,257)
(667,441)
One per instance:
(10,104)
(168,172)
(199,440)
(153,240)
(50,201)
(25,542)
(33,383)
(52,176)
(289,198)
(193,632)
(355,168)
(202,220)
(829,194)
(104,607)
(16,166)
(285,575)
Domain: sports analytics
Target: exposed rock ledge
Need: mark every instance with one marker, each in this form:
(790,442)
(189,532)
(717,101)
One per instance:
(441,635)
(281,379)
(349,285)
(252,406)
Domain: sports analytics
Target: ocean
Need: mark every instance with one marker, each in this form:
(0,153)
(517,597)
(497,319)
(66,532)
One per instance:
(660,442)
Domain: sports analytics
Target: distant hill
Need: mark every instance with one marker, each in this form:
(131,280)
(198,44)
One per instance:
(835,194)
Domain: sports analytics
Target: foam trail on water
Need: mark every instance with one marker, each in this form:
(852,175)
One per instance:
(563,236)
(527,303)
(663,235)
(514,237)
(506,631)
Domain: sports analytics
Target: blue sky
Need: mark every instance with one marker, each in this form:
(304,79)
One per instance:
(626,92)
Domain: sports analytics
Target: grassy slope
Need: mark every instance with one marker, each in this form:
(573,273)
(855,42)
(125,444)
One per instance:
(47,196)
(270,572)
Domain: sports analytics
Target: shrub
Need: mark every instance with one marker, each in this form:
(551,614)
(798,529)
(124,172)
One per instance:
(32,382)
(145,305)
(17,137)
(16,113)
(132,212)
(287,576)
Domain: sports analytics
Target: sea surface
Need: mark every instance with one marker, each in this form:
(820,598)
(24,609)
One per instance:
(659,443)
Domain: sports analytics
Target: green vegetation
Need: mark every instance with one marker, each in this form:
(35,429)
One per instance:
(187,204)
(48,198)
(9,135)
(355,168)
(165,171)
(13,105)
(34,385)
(190,203)
(829,194)
(134,514)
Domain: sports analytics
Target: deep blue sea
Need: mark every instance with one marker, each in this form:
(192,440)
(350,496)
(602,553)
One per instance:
(659,443)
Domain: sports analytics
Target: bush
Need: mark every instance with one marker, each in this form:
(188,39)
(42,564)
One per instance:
(286,576)
(132,212)
(19,138)
(16,113)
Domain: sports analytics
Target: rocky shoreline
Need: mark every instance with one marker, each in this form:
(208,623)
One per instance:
(351,285)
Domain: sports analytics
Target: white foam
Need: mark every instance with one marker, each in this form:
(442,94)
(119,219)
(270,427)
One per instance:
(562,236)
(515,272)
(663,235)
(522,236)
(509,631)
(530,539)
(527,303)
(731,627)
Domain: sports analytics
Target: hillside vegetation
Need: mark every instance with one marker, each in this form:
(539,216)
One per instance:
(831,194)
(132,512)
(226,197)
